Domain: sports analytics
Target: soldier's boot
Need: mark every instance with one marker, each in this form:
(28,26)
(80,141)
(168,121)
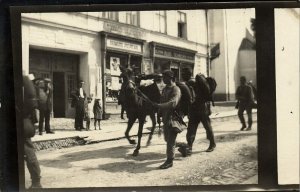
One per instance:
(243,126)
(212,143)
(167,164)
(249,124)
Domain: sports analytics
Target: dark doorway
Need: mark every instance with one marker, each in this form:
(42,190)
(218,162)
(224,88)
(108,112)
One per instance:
(59,94)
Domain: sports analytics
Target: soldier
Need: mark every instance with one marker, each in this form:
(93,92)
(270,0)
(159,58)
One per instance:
(30,104)
(169,100)
(198,112)
(245,99)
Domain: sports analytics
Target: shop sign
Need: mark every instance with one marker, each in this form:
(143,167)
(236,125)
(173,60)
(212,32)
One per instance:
(126,46)
(122,30)
(174,54)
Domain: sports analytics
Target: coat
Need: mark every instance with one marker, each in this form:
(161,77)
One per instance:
(97,109)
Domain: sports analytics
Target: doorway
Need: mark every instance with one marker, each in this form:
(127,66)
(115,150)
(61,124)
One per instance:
(59,94)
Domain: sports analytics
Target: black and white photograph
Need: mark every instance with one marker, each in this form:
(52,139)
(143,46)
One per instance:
(108,123)
(137,97)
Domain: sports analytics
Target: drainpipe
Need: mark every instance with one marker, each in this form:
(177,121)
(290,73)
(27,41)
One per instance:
(208,62)
(227,59)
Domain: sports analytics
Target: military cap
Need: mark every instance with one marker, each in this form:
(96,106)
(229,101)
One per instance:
(168,73)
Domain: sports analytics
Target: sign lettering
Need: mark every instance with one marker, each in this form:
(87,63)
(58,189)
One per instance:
(112,43)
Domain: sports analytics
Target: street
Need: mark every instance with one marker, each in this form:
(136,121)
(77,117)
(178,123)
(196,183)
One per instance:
(111,164)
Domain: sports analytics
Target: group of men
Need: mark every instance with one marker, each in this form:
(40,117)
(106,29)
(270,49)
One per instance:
(172,115)
(172,111)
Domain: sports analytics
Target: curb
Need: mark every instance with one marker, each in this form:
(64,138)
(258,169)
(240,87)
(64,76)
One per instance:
(67,142)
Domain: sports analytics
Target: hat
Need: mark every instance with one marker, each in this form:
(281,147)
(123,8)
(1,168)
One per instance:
(81,81)
(168,73)
(47,80)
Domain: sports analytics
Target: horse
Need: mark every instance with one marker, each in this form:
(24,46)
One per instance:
(138,106)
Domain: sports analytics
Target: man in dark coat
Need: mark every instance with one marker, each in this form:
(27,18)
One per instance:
(30,104)
(245,97)
(198,112)
(45,105)
(80,97)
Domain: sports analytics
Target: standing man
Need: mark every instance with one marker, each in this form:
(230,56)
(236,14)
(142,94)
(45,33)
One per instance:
(245,98)
(79,115)
(29,106)
(169,100)
(198,112)
(45,105)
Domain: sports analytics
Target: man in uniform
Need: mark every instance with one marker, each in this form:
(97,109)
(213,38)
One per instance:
(198,112)
(245,97)
(79,116)
(169,100)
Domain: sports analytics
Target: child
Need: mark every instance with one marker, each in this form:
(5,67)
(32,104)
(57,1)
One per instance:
(97,109)
(88,111)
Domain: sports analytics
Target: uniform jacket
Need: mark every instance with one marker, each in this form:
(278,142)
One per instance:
(244,94)
(169,100)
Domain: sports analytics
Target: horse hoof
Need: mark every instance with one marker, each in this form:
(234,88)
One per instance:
(132,142)
(135,153)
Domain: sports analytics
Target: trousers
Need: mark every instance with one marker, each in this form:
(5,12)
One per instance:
(79,114)
(242,107)
(195,117)
(31,160)
(44,115)
(170,137)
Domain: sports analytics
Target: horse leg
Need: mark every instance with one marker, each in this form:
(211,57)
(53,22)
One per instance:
(152,116)
(140,133)
(129,126)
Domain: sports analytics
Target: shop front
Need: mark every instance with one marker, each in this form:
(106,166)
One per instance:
(167,57)
(62,69)
(118,52)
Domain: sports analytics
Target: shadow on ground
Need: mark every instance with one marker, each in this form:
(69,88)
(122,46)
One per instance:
(120,152)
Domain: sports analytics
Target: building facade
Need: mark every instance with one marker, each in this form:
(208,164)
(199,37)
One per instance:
(90,46)
(233,54)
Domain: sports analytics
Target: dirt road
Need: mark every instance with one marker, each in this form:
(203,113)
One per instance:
(111,164)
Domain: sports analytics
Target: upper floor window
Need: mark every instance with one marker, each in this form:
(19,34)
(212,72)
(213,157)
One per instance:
(111,15)
(182,29)
(132,18)
(160,21)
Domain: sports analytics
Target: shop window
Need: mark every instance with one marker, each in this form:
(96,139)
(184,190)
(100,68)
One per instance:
(71,84)
(132,18)
(160,21)
(111,15)
(161,65)
(182,29)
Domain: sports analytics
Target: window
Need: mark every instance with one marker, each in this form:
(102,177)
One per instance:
(160,21)
(132,18)
(111,15)
(182,25)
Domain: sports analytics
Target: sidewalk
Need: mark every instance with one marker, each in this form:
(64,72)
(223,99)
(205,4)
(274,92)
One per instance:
(111,129)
